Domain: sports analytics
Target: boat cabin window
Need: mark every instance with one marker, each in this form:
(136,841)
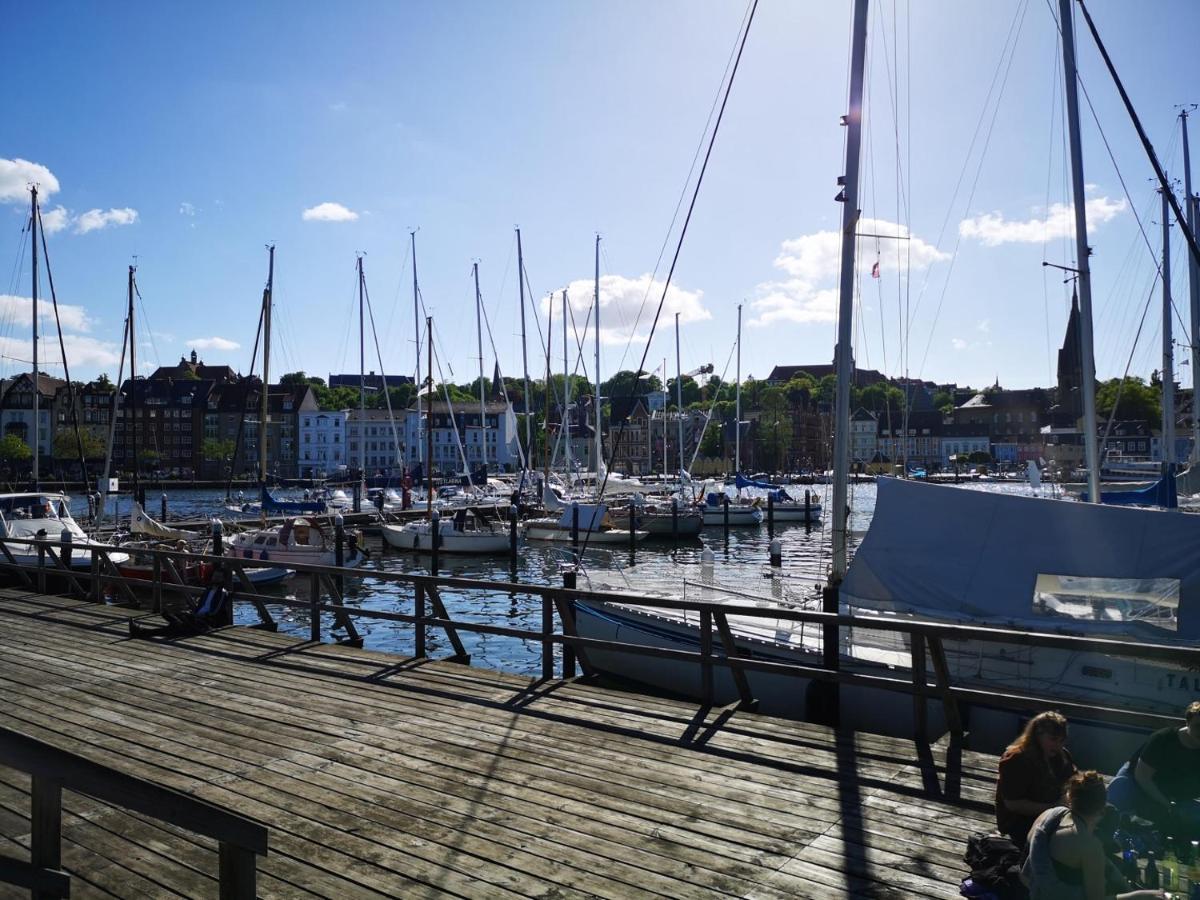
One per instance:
(1152,601)
(29,506)
(259,540)
(271,542)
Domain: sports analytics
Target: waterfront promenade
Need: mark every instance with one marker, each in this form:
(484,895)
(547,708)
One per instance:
(377,775)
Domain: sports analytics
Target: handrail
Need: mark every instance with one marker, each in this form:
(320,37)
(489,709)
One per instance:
(714,616)
(241,840)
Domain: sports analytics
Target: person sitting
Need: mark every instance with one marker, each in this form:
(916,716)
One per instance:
(1066,858)
(1033,772)
(211,612)
(1164,771)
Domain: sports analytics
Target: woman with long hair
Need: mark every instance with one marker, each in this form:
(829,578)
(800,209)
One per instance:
(1033,772)
(1066,858)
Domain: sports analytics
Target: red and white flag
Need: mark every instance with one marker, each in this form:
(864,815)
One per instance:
(875,269)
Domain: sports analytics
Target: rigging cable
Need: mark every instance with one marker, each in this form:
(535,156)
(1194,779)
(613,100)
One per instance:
(679,245)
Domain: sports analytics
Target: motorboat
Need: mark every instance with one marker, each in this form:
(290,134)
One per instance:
(295,542)
(741,512)
(464,532)
(44,516)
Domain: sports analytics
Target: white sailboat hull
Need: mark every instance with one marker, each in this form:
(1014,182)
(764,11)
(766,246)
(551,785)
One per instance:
(418,536)
(739,516)
(552,531)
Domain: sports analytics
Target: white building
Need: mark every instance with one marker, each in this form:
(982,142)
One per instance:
(864,436)
(495,442)
(962,446)
(322,449)
(371,441)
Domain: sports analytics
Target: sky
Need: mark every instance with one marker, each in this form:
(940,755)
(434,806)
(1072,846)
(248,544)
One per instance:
(186,137)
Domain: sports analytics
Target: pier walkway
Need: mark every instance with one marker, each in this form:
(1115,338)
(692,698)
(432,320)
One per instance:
(377,775)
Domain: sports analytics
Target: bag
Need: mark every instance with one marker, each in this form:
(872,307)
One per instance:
(995,863)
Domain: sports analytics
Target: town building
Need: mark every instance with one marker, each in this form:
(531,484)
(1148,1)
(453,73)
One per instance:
(629,436)
(322,443)
(864,438)
(371,381)
(781,375)
(375,441)
(914,439)
(494,443)
(16,410)
(959,443)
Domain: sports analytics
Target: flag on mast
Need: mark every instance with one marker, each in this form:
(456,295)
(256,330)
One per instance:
(875,269)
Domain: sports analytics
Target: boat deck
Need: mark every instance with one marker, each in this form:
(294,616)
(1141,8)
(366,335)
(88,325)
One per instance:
(383,776)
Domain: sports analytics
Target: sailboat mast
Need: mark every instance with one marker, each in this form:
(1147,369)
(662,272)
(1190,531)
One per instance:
(599,453)
(737,403)
(843,353)
(37,444)
(266,378)
(482,383)
(525,355)
(1082,252)
(1168,349)
(133,404)
(416,329)
(362,380)
(678,396)
(546,411)
(566,415)
(666,445)
(1192,207)
(429,421)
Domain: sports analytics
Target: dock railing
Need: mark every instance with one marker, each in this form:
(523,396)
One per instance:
(718,645)
(53,770)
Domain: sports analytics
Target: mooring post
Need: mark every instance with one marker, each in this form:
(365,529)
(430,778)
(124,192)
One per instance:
(40,537)
(163,507)
(435,540)
(770,514)
(776,551)
(512,534)
(218,543)
(575,529)
(632,528)
(725,513)
(64,542)
(807,510)
(419,612)
(675,520)
(358,495)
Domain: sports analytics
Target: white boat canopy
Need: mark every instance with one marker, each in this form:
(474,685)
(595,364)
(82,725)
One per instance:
(979,555)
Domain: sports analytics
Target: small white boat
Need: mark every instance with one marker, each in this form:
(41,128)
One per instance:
(593,526)
(464,533)
(45,516)
(296,541)
(740,514)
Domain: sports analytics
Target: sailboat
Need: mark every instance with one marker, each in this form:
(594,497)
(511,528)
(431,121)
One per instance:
(298,540)
(947,554)
(464,532)
(38,514)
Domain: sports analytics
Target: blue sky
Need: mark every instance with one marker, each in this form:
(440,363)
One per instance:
(190,136)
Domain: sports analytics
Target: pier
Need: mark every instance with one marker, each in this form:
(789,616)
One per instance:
(377,775)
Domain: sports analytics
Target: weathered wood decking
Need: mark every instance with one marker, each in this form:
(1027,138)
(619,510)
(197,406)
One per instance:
(380,776)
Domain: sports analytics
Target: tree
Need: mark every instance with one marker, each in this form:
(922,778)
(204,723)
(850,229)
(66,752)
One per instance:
(1138,400)
(298,379)
(691,391)
(944,401)
(881,395)
(625,385)
(774,429)
(14,450)
(102,381)
(216,450)
(712,444)
(67,447)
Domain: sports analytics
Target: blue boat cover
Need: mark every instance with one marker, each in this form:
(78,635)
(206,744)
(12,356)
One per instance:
(290,507)
(1162,493)
(741,481)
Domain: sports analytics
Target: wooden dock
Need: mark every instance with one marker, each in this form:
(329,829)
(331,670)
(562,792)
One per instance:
(382,776)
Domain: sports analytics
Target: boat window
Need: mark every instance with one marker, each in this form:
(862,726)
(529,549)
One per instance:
(259,540)
(271,542)
(1152,601)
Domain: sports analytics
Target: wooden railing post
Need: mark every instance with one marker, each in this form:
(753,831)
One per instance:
(706,665)
(45,825)
(94,587)
(547,644)
(41,565)
(158,576)
(314,608)
(920,706)
(238,872)
(419,612)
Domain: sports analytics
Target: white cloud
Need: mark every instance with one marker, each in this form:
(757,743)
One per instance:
(18,311)
(55,220)
(328,212)
(340,106)
(958,344)
(813,261)
(993,229)
(95,219)
(83,351)
(985,325)
(620,300)
(213,343)
(16,175)
(187,209)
